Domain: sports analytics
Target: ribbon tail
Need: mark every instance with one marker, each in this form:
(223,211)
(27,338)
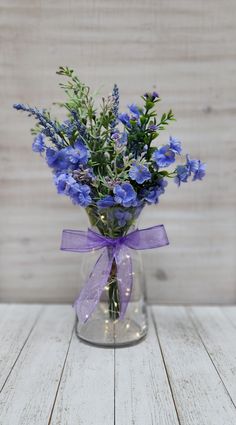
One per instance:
(91,292)
(124,277)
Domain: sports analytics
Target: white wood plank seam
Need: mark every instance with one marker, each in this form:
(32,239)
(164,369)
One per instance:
(22,348)
(62,371)
(209,355)
(165,366)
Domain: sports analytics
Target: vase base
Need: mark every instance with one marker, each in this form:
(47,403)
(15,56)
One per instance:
(108,333)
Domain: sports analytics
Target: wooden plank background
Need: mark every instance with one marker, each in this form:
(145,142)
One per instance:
(186,50)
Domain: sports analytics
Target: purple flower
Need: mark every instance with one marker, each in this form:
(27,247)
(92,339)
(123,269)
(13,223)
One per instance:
(80,194)
(107,201)
(38,144)
(151,96)
(200,172)
(175,145)
(140,173)
(164,156)
(64,183)
(122,217)
(85,175)
(125,119)
(152,128)
(125,195)
(119,138)
(116,136)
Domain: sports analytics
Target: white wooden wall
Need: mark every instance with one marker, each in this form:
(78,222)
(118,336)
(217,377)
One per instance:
(186,50)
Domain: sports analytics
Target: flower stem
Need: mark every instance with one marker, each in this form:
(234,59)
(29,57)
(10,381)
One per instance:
(113,293)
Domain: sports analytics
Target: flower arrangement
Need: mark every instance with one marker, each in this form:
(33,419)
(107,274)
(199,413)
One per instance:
(106,161)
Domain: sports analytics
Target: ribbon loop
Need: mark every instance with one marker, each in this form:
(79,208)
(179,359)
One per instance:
(115,249)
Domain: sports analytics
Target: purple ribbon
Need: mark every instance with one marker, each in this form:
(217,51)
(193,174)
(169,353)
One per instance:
(117,249)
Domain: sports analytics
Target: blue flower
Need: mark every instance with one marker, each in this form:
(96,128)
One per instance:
(151,195)
(200,172)
(125,119)
(67,158)
(125,195)
(119,138)
(122,217)
(78,154)
(134,110)
(135,113)
(107,201)
(38,144)
(175,145)
(182,174)
(192,166)
(51,156)
(64,182)
(80,194)
(57,159)
(140,173)
(164,156)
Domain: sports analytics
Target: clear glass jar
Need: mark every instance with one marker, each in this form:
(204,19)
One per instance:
(105,327)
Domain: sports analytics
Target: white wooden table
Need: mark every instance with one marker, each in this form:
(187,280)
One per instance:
(183,373)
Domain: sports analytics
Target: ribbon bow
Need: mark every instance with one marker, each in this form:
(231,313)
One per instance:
(115,249)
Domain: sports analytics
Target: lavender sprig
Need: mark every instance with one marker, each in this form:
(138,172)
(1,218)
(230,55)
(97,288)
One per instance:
(115,108)
(49,127)
(82,130)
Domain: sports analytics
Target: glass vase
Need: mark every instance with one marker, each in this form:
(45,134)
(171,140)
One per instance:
(105,326)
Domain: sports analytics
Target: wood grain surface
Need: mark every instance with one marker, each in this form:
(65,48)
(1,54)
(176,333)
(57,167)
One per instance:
(186,50)
(183,373)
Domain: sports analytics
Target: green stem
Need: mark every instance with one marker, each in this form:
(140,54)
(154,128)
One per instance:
(113,293)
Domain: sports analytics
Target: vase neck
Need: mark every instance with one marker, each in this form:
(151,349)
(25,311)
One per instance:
(114,221)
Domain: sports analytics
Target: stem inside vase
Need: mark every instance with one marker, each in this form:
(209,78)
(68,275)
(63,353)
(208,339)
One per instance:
(113,222)
(113,293)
